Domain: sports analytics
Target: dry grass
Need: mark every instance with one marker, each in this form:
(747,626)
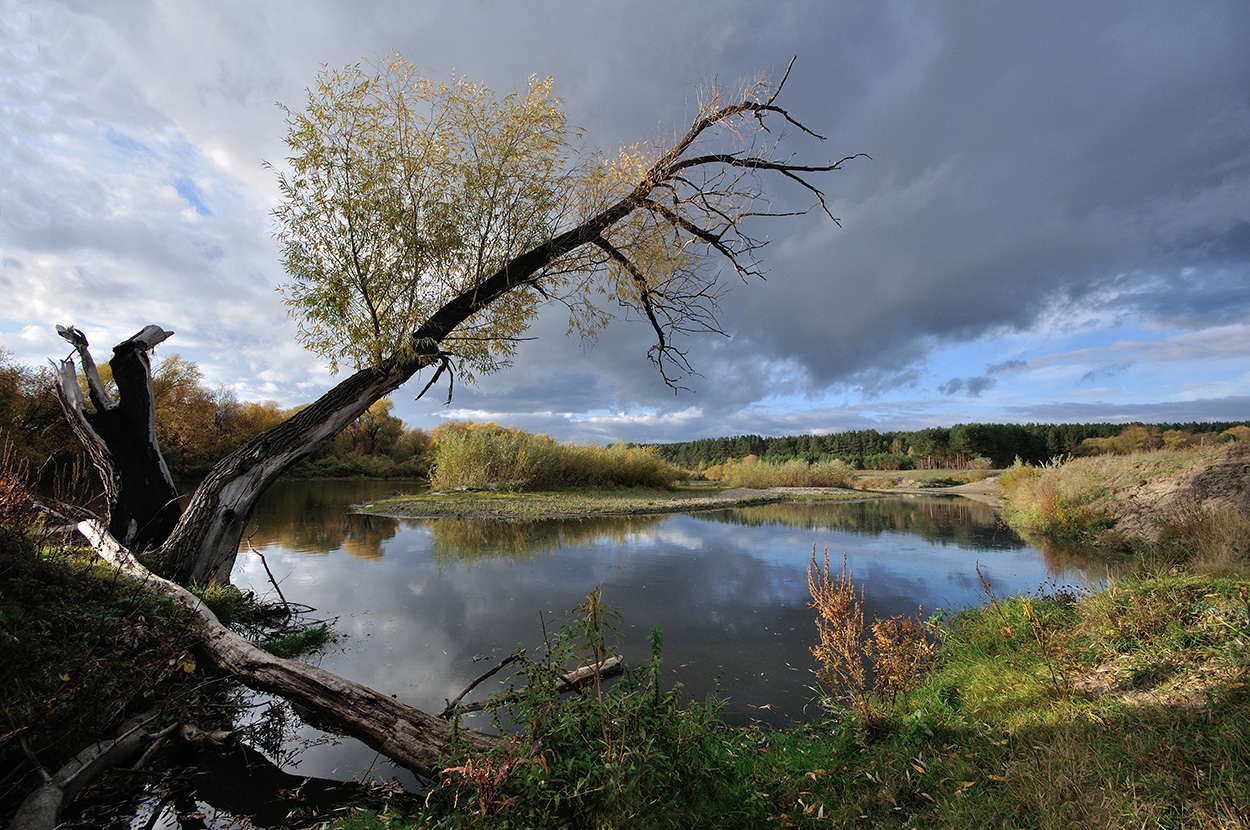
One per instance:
(840,626)
(753,473)
(899,651)
(1186,507)
(490,457)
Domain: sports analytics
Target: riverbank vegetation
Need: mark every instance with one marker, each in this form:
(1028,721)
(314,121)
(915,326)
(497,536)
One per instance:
(470,456)
(959,447)
(1123,708)
(81,650)
(753,473)
(1185,508)
(1127,706)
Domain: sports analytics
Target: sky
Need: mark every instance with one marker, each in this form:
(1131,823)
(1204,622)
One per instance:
(1054,225)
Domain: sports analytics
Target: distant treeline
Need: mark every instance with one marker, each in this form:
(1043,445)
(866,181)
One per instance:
(962,446)
(197,425)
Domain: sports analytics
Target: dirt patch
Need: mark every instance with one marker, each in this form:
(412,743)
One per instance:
(1184,684)
(1220,482)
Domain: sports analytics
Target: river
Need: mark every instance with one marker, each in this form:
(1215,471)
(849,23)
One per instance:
(421,607)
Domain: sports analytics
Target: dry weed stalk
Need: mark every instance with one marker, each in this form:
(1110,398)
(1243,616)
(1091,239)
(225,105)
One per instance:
(899,650)
(16,516)
(900,653)
(840,624)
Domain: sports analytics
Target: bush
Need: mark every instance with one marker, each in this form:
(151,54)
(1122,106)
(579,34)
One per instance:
(18,520)
(490,457)
(752,473)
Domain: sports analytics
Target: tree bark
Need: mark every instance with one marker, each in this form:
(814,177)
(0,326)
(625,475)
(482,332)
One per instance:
(120,437)
(409,737)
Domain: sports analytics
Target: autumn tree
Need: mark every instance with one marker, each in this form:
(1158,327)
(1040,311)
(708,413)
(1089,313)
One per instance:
(423,223)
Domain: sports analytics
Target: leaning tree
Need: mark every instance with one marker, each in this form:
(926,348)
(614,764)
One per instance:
(423,223)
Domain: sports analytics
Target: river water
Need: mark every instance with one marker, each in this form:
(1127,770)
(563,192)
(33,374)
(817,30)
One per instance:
(421,607)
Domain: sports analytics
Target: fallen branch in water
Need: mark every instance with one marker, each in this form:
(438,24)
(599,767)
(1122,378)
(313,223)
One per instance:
(611,667)
(408,736)
(41,810)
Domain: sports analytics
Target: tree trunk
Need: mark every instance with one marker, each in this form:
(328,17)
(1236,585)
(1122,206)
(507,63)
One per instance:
(120,436)
(203,547)
(409,737)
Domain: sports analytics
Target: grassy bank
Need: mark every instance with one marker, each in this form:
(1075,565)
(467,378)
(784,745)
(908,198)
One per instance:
(555,504)
(1128,707)
(1187,508)
(80,652)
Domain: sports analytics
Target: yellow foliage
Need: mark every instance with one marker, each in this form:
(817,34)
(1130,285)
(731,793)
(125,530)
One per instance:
(405,192)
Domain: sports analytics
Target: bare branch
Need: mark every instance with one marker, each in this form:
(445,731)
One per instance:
(100,397)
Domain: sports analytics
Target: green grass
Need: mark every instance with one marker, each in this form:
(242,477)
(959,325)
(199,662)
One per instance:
(297,643)
(1121,709)
(573,503)
(81,650)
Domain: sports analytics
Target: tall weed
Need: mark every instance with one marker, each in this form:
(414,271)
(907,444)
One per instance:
(899,650)
(490,457)
(753,473)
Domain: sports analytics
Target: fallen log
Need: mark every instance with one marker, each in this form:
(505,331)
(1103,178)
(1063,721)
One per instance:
(569,681)
(408,736)
(41,810)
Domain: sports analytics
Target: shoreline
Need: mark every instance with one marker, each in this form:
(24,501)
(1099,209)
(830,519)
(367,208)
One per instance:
(591,504)
(588,504)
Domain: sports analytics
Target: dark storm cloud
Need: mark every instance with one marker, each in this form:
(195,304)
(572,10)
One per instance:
(1028,157)
(1034,167)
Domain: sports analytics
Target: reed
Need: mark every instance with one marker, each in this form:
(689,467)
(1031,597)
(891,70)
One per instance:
(490,457)
(753,473)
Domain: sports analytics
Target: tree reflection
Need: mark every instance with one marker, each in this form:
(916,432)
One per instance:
(935,519)
(469,540)
(314,517)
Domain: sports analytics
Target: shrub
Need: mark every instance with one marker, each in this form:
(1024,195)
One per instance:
(18,520)
(487,456)
(753,473)
(899,650)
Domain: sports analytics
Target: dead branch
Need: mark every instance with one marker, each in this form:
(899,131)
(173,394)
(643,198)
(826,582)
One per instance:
(570,681)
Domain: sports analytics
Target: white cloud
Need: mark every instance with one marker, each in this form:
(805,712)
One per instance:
(1040,181)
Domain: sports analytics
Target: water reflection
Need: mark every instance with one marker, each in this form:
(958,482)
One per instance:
(421,604)
(466,540)
(934,518)
(313,517)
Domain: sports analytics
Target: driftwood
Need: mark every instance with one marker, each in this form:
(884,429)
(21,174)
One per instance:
(611,667)
(41,810)
(408,736)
